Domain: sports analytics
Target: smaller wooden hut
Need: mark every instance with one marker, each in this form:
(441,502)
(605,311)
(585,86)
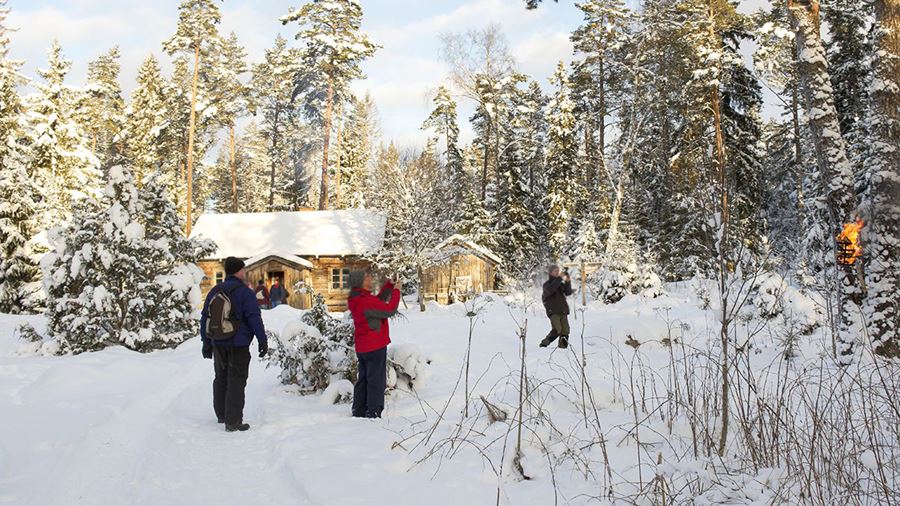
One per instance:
(459,268)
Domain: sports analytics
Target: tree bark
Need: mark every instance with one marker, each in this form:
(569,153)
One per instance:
(484,169)
(190,154)
(337,170)
(234,194)
(723,246)
(323,193)
(831,159)
(273,160)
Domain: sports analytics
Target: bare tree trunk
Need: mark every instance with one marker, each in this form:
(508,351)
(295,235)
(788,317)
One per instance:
(190,154)
(323,193)
(831,158)
(723,266)
(234,195)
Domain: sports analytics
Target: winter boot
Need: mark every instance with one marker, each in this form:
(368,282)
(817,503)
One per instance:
(240,427)
(549,339)
(221,420)
(563,342)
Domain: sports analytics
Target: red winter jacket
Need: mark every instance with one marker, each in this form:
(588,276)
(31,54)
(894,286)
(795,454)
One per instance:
(370,316)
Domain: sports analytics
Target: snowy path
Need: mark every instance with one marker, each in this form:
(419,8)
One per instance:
(116,427)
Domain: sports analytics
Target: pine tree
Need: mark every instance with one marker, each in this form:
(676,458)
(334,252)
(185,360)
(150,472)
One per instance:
(847,50)
(598,84)
(562,164)
(443,121)
(120,272)
(61,163)
(198,36)
(17,206)
(102,109)
(882,233)
(334,48)
(232,99)
(273,89)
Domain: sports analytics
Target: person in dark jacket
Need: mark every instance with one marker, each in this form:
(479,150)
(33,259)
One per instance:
(277,295)
(262,295)
(371,338)
(231,357)
(555,291)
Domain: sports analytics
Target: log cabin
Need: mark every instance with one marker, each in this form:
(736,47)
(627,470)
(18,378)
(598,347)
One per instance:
(458,269)
(316,249)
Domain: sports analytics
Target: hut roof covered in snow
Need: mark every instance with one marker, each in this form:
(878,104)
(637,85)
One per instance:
(457,243)
(302,233)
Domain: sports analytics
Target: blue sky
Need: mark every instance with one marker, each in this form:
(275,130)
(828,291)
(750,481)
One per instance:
(400,76)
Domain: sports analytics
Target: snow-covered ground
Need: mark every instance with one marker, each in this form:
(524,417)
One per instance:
(118,427)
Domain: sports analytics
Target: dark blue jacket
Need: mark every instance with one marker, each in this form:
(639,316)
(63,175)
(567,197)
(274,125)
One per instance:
(245,308)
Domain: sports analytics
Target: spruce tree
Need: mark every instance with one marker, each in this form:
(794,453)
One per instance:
(357,151)
(102,112)
(562,164)
(334,48)
(120,272)
(882,232)
(17,193)
(61,163)
(147,129)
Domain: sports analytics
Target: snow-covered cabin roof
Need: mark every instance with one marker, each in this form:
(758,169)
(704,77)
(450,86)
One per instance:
(302,233)
(282,255)
(456,243)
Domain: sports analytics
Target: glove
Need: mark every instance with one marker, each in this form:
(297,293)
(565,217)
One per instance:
(207,351)
(263,350)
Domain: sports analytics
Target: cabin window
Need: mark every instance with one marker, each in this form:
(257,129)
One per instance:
(340,279)
(220,276)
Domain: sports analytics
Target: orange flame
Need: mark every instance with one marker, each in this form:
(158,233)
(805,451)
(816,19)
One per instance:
(848,240)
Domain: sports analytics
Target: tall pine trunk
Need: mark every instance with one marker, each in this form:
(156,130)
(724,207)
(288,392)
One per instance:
(234,195)
(323,192)
(882,233)
(190,155)
(484,168)
(831,159)
(337,170)
(273,160)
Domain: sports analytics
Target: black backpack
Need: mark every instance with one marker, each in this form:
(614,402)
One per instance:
(222,323)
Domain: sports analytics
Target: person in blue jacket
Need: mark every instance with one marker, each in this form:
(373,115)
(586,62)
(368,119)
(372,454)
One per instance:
(231,357)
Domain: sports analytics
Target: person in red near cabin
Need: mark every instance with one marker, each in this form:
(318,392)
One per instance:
(371,338)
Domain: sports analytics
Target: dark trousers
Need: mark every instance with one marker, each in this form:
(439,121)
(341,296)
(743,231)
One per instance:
(232,369)
(368,394)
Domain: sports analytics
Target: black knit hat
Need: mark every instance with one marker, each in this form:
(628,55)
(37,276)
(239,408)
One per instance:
(233,265)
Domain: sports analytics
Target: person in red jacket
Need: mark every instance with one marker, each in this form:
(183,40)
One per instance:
(371,337)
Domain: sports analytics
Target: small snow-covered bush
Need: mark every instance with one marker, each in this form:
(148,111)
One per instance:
(406,367)
(121,272)
(773,296)
(316,350)
(620,276)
